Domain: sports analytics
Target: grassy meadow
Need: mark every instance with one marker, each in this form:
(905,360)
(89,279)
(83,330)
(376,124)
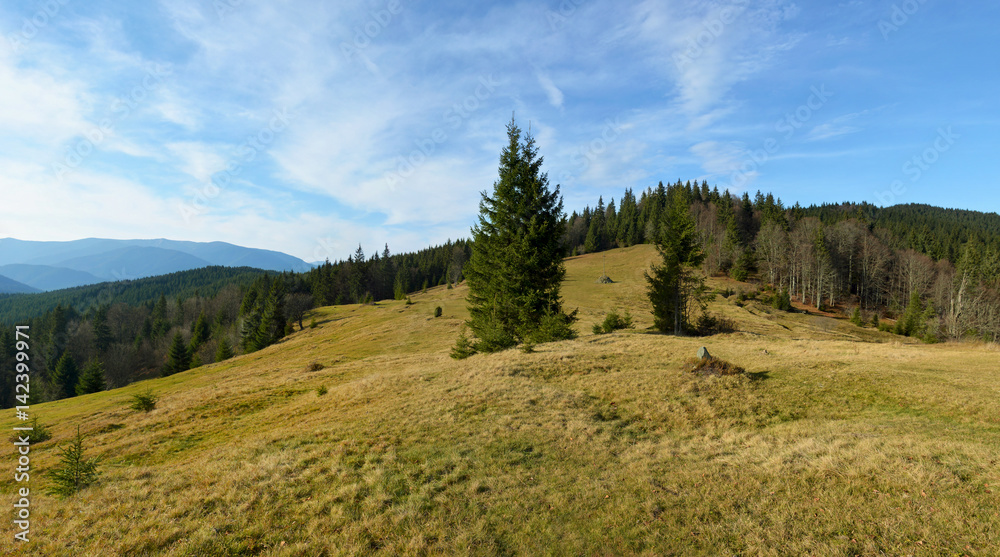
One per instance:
(838,441)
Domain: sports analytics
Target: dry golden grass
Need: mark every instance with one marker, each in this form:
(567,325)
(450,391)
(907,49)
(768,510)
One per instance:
(837,441)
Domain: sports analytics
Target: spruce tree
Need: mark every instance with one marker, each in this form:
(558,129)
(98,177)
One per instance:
(675,284)
(92,379)
(223,351)
(102,333)
(516,266)
(200,332)
(179,358)
(65,376)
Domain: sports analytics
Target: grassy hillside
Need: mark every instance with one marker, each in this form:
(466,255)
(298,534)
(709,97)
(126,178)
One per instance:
(839,441)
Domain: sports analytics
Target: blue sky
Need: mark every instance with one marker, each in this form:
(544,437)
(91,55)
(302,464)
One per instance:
(308,127)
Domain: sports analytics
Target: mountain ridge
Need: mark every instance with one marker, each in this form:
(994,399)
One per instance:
(53,265)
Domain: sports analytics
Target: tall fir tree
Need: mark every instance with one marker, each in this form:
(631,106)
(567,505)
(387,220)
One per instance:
(65,376)
(92,378)
(200,331)
(178,358)
(516,267)
(223,350)
(676,285)
(102,333)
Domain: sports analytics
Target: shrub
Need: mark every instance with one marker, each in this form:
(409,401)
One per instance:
(782,300)
(875,322)
(856,317)
(321,390)
(409,302)
(709,324)
(74,472)
(144,402)
(613,322)
(438,311)
(39,433)
(313,324)
(315,366)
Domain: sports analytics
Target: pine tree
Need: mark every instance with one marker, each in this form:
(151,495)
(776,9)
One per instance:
(92,379)
(200,332)
(675,284)
(516,267)
(65,376)
(178,359)
(597,233)
(74,472)
(102,333)
(223,352)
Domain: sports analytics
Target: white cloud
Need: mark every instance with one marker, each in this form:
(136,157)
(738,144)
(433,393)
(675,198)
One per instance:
(553,92)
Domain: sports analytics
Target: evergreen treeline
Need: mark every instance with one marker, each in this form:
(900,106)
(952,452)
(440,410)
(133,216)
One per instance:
(207,281)
(937,270)
(384,276)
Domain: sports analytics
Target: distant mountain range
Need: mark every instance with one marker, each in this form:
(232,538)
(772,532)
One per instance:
(27,266)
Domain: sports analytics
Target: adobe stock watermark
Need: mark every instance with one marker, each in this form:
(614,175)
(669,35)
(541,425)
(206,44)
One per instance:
(585,155)
(788,126)
(376,23)
(915,167)
(404,166)
(121,108)
(32,26)
(566,9)
(225,7)
(899,16)
(254,145)
(710,31)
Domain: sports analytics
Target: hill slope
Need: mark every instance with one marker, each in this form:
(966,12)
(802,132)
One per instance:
(46,277)
(840,441)
(12,286)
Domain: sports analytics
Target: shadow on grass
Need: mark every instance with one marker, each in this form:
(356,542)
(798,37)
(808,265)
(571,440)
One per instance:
(758,375)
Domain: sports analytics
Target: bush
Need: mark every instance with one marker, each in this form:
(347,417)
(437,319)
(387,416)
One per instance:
(782,300)
(409,302)
(856,317)
(875,322)
(313,324)
(709,324)
(315,366)
(613,322)
(74,472)
(321,390)
(438,311)
(39,433)
(144,402)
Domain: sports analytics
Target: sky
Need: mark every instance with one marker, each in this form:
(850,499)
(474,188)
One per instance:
(312,127)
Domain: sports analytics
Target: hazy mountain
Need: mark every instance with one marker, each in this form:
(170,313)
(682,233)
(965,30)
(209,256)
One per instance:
(11,286)
(45,277)
(134,262)
(55,265)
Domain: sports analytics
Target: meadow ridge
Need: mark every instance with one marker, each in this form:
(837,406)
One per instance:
(839,440)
